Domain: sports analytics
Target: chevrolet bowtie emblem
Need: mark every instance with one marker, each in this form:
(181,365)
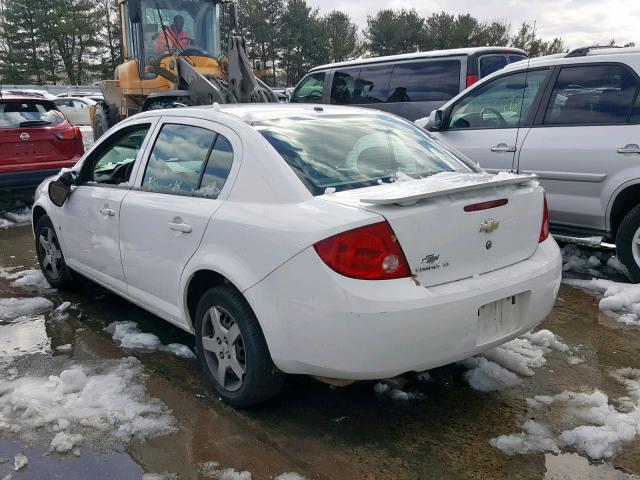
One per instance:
(489,226)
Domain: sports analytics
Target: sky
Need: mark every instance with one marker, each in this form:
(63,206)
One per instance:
(578,22)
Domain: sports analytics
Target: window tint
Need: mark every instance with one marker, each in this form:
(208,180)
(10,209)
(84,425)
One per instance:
(500,103)
(177,158)
(353,151)
(635,113)
(114,163)
(344,83)
(217,169)
(425,81)
(516,58)
(492,63)
(372,85)
(591,95)
(310,90)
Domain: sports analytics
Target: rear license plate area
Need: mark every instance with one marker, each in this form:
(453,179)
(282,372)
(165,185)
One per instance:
(499,318)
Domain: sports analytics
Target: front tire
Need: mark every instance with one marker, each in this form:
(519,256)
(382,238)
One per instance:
(628,244)
(232,350)
(100,122)
(50,256)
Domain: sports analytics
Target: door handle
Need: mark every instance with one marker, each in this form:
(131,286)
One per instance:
(178,226)
(629,148)
(109,212)
(503,147)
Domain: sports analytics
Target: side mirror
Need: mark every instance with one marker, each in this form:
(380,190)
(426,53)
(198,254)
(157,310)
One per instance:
(60,189)
(58,192)
(436,119)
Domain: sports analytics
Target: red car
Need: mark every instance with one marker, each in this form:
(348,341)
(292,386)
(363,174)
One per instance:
(36,141)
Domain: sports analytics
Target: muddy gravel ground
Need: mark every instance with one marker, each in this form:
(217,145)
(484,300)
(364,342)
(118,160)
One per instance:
(441,431)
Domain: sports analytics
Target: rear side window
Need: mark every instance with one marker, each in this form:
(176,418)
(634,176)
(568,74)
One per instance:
(635,113)
(492,63)
(310,89)
(217,169)
(592,95)
(29,113)
(425,81)
(344,83)
(372,85)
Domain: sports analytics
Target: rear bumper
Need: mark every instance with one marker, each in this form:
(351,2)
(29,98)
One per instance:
(29,179)
(320,323)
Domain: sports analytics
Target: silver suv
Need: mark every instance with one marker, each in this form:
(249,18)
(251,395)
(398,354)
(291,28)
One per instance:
(572,119)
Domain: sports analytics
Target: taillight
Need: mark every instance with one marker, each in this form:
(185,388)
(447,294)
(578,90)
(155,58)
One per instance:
(366,253)
(544,230)
(69,134)
(471,79)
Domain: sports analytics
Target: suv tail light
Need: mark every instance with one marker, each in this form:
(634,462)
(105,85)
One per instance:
(471,79)
(544,230)
(69,134)
(366,253)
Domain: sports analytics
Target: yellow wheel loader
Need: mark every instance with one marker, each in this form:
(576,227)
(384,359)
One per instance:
(173,58)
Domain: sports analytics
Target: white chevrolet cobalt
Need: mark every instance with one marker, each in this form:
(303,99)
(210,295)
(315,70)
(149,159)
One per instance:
(331,241)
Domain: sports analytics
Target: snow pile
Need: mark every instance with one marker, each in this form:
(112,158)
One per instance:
(498,368)
(289,476)
(213,470)
(130,336)
(621,298)
(597,263)
(4,223)
(28,278)
(11,308)
(588,422)
(20,461)
(82,402)
(22,215)
(395,393)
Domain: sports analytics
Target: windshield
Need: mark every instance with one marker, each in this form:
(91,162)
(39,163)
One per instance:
(168,25)
(29,113)
(352,151)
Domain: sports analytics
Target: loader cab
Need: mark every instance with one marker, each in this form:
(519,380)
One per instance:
(154,29)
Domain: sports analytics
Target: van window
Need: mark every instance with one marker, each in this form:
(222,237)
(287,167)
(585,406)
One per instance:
(492,63)
(343,85)
(310,89)
(425,81)
(592,95)
(372,85)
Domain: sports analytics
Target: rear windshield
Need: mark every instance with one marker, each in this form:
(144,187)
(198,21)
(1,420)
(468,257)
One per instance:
(352,151)
(29,113)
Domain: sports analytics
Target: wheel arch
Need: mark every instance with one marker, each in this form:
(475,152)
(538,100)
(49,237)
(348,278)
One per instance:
(622,202)
(37,213)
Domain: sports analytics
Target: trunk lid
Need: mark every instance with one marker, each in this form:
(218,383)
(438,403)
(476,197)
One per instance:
(441,241)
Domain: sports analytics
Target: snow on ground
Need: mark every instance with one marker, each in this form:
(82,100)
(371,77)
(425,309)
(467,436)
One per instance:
(20,461)
(87,136)
(623,299)
(11,308)
(498,368)
(130,336)
(289,476)
(25,278)
(597,263)
(213,470)
(18,213)
(83,402)
(590,423)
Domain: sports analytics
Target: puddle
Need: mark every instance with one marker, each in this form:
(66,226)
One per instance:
(571,466)
(24,336)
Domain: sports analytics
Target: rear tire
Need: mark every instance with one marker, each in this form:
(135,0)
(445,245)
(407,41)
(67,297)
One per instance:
(50,256)
(232,350)
(628,244)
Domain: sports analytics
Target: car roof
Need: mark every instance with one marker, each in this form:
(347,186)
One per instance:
(257,112)
(19,98)
(584,54)
(430,54)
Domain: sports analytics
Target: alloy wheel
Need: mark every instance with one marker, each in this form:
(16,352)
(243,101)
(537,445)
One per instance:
(50,252)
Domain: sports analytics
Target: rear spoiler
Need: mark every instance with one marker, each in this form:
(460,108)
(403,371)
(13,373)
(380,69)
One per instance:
(446,183)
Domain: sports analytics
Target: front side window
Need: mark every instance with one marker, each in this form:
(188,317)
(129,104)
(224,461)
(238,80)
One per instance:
(310,89)
(352,151)
(425,81)
(188,160)
(501,103)
(113,163)
(592,95)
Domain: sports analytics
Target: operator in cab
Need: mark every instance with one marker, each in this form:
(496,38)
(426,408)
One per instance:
(175,36)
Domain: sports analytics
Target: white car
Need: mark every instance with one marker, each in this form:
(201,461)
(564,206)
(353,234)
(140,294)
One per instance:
(331,241)
(79,111)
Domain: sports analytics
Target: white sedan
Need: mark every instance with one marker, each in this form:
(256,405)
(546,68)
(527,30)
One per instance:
(79,111)
(296,239)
